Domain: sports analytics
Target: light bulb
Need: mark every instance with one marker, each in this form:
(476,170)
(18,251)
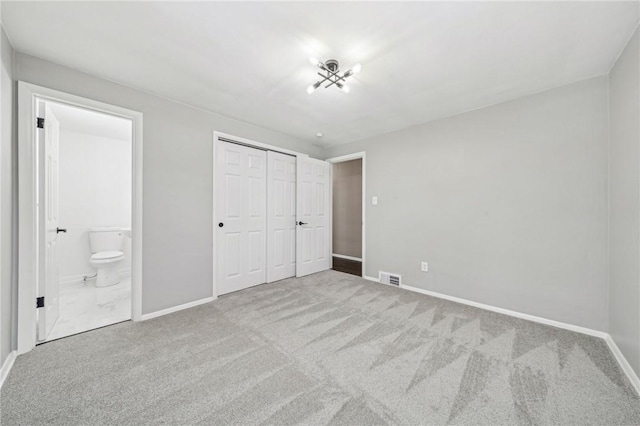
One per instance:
(313,87)
(356,68)
(314,61)
(345,88)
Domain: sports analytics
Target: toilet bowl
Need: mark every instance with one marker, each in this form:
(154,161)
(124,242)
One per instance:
(107,244)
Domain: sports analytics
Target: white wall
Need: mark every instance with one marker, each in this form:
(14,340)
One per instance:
(95,190)
(624,273)
(508,204)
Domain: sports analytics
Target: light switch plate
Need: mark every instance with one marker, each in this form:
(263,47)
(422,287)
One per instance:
(374,200)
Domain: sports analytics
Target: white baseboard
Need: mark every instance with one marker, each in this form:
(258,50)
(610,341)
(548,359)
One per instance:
(622,361)
(343,256)
(6,367)
(177,308)
(546,321)
(624,364)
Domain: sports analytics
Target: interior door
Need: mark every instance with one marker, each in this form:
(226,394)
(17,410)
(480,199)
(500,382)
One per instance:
(241,191)
(281,216)
(49,144)
(313,248)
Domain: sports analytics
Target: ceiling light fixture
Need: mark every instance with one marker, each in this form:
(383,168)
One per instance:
(331,74)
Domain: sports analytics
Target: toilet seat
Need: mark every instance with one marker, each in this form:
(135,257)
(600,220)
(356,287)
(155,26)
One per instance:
(102,257)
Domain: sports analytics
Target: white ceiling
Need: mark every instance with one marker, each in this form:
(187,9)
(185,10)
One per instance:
(421,61)
(81,120)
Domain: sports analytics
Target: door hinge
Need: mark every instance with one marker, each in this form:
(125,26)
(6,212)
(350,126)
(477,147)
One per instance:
(40,302)
(40,123)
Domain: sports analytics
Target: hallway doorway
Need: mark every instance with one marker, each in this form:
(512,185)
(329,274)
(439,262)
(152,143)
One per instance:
(348,214)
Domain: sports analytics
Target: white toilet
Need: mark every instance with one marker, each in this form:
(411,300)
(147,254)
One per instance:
(107,244)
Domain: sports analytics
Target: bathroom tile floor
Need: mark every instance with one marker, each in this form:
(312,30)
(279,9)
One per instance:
(85,307)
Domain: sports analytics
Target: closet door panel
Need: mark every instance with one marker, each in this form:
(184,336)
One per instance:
(281,221)
(241,176)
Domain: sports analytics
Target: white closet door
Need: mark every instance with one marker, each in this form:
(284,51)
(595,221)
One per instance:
(281,216)
(313,246)
(241,176)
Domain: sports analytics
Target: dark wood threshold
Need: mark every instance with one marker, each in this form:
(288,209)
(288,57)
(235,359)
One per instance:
(348,266)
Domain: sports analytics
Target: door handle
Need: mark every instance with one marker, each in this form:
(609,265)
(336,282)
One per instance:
(220,225)
(59,230)
(302,223)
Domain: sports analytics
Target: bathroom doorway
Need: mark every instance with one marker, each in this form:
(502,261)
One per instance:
(348,240)
(86,188)
(40,230)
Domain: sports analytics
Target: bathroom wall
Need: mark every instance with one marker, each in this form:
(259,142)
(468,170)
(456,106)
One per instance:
(95,190)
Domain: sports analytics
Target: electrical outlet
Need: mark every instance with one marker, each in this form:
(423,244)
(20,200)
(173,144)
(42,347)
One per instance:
(374,200)
(425,266)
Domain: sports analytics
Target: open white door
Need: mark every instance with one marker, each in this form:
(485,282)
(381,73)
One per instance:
(48,144)
(281,216)
(313,238)
(241,207)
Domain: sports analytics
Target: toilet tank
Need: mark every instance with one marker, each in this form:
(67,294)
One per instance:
(106,239)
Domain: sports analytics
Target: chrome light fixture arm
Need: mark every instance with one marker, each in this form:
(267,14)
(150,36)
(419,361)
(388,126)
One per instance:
(332,69)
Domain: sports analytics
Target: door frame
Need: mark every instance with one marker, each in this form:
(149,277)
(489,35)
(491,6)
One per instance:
(225,137)
(28,257)
(355,156)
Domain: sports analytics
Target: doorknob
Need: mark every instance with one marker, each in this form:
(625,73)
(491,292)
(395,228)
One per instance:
(59,230)
(302,223)
(221,224)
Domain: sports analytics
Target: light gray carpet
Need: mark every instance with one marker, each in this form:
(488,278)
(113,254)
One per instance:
(328,348)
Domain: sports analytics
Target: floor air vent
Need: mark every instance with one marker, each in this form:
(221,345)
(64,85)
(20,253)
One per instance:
(387,278)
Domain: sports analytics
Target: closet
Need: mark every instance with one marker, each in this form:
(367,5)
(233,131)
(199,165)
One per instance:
(270,209)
